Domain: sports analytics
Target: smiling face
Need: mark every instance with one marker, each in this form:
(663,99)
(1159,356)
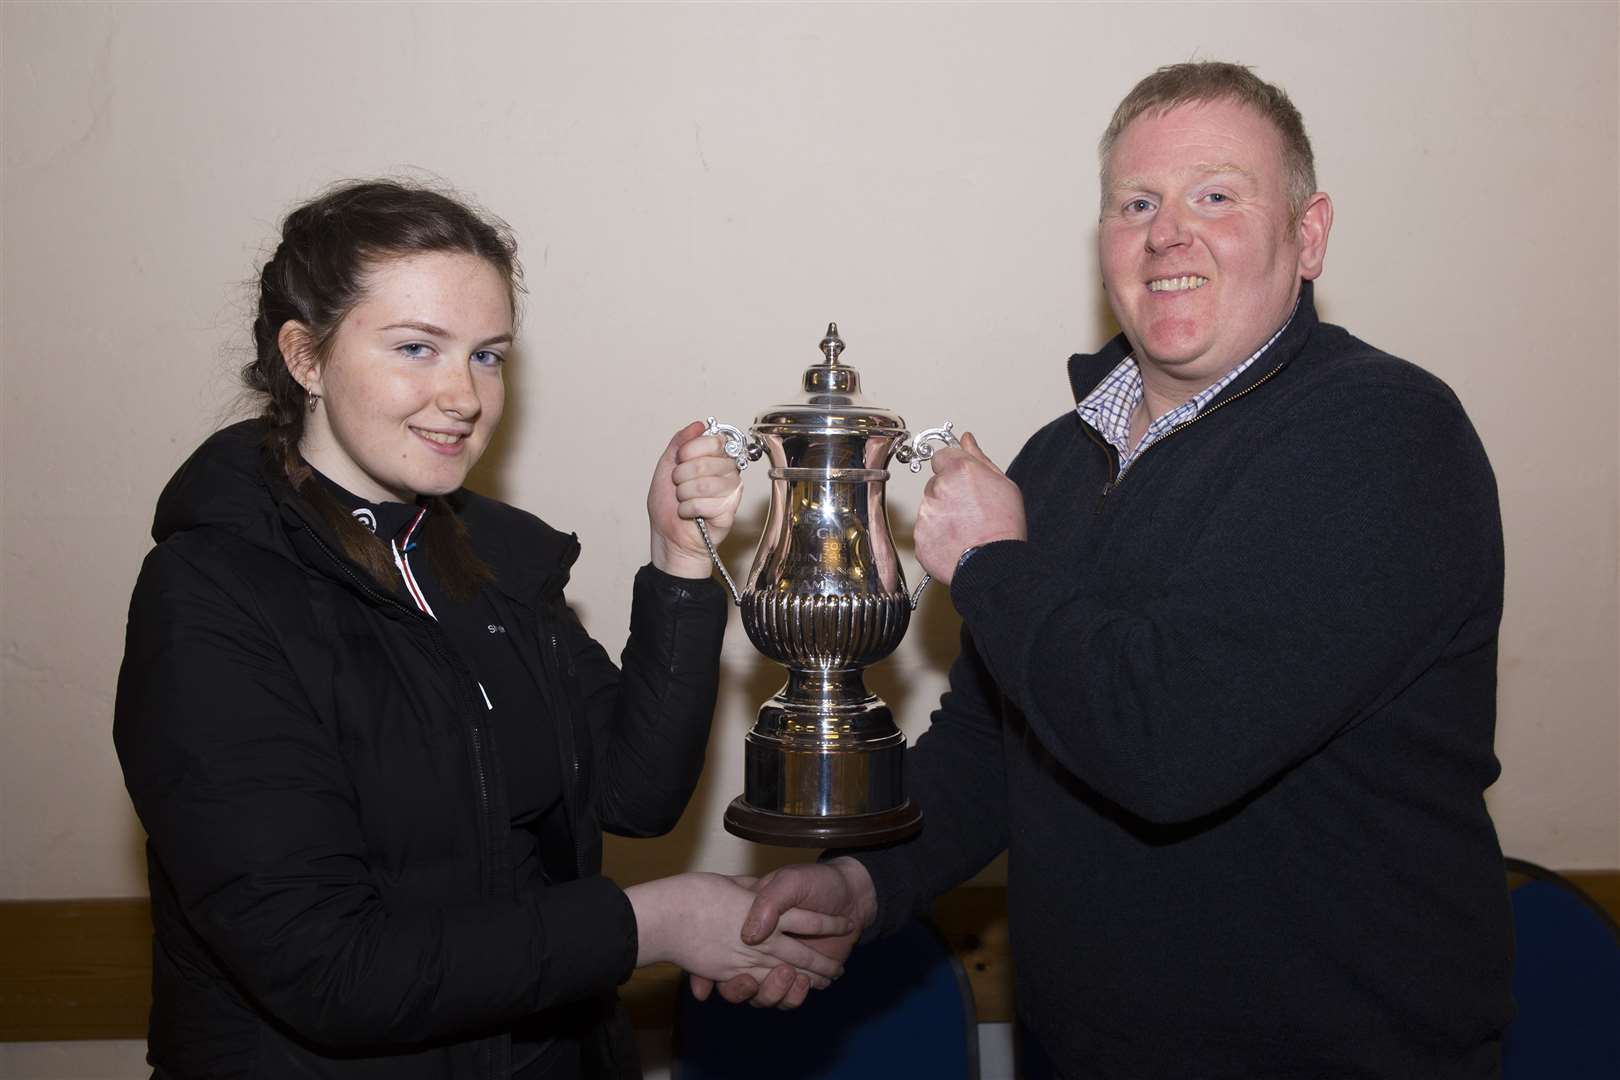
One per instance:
(411,387)
(1201,254)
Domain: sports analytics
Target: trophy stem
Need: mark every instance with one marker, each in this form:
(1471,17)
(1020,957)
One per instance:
(823,767)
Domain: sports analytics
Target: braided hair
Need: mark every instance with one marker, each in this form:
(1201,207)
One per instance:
(317,275)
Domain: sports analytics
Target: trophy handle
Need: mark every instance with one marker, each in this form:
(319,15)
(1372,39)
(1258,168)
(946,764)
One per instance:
(742,449)
(917,449)
(913,452)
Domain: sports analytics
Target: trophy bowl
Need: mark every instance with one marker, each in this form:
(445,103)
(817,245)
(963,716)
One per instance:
(825,597)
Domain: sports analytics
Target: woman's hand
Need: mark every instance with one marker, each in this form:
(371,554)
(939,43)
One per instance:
(694,478)
(695,920)
(840,886)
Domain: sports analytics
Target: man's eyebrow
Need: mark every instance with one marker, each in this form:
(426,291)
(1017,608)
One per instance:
(1201,168)
(1208,168)
(437,331)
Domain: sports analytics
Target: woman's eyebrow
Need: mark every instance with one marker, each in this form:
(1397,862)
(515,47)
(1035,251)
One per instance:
(423,327)
(439,331)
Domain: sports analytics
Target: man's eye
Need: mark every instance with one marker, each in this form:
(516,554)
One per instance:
(1138,206)
(1217,197)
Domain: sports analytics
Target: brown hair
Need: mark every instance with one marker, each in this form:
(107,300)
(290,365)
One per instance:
(317,275)
(1212,80)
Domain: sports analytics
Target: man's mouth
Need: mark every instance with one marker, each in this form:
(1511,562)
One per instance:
(443,438)
(1184,283)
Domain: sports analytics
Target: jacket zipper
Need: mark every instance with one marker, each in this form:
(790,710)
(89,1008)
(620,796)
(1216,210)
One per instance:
(566,722)
(1113,482)
(484,1048)
(444,657)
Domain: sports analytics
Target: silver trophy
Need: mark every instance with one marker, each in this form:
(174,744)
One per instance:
(825,597)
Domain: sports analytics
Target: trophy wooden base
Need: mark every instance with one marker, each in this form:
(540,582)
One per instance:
(844,830)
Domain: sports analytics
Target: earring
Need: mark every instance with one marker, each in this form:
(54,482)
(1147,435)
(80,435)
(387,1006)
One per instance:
(313,400)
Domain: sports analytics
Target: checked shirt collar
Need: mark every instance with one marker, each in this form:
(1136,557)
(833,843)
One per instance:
(1108,407)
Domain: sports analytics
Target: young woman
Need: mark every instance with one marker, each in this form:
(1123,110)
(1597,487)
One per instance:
(372,750)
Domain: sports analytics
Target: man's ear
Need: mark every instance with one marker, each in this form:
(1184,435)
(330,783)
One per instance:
(1315,222)
(298,351)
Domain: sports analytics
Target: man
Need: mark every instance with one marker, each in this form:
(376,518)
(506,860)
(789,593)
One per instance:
(1227,681)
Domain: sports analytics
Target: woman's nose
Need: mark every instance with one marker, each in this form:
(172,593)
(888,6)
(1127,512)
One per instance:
(457,393)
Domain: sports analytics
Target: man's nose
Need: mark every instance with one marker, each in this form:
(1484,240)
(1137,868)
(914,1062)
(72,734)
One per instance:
(1169,228)
(457,392)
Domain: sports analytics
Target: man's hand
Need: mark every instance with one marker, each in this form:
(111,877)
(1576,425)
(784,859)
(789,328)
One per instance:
(691,920)
(967,502)
(839,887)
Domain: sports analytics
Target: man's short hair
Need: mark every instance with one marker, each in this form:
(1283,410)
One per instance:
(1213,80)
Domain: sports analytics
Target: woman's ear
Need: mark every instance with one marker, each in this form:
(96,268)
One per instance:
(298,352)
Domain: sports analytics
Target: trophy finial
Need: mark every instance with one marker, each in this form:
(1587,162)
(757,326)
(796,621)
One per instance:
(832,344)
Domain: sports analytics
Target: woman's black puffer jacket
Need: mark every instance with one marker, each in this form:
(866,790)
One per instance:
(332,890)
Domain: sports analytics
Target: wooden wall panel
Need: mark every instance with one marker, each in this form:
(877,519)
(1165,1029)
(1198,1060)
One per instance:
(75,969)
(82,969)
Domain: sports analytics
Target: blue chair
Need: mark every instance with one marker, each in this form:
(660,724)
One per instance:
(903,1008)
(1566,982)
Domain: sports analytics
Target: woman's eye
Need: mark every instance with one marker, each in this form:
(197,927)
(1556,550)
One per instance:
(414,349)
(488,358)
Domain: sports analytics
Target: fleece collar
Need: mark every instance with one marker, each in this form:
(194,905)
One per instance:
(1088,370)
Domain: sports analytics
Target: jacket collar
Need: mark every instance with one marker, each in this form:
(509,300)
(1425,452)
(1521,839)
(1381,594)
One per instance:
(229,483)
(398,522)
(1086,370)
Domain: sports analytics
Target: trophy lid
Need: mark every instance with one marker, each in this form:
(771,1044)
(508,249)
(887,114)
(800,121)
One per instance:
(830,401)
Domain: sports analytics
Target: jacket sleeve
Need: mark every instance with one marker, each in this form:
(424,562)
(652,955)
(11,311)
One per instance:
(243,794)
(1358,543)
(956,775)
(649,719)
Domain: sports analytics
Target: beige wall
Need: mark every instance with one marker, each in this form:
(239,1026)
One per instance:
(699,189)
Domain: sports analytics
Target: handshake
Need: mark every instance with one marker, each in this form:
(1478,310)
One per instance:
(767,941)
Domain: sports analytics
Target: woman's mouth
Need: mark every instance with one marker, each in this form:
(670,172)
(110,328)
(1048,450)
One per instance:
(444,442)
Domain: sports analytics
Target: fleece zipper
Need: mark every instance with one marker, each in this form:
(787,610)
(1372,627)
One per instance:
(1115,480)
